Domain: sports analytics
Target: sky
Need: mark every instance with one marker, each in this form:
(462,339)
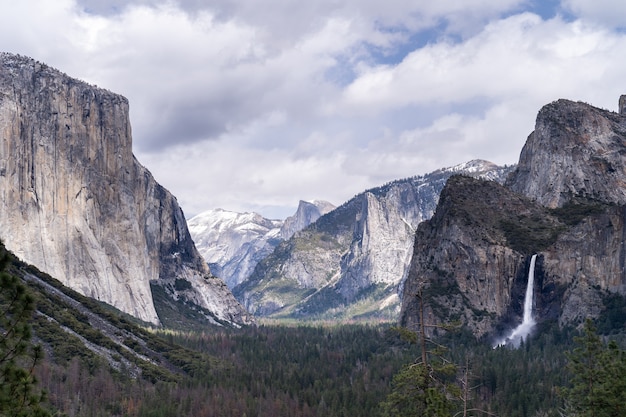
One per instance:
(253,105)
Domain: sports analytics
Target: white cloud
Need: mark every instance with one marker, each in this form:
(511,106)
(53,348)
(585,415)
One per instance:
(246,179)
(287,19)
(256,104)
(604,12)
(190,78)
(482,94)
(519,56)
(36,28)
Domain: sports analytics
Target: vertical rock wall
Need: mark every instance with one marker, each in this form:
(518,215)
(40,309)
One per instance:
(75,202)
(566,201)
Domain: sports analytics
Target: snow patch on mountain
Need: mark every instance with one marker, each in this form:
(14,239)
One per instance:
(233,243)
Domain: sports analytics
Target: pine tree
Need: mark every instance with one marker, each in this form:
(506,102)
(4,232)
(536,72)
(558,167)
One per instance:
(598,384)
(426,387)
(18,357)
(613,388)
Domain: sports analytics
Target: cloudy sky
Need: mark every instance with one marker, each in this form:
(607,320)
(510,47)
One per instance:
(252,105)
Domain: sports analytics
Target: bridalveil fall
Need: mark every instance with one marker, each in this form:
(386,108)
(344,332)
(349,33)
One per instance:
(523,330)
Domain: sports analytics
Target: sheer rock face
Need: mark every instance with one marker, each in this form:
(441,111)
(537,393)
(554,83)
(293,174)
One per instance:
(307,213)
(575,150)
(565,201)
(234,243)
(587,261)
(355,255)
(75,202)
(463,259)
(578,152)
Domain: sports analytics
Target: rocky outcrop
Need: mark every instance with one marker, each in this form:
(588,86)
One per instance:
(588,261)
(307,213)
(577,154)
(75,202)
(234,243)
(565,201)
(469,256)
(575,150)
(350,262)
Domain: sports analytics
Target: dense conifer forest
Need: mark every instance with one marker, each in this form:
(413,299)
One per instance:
(314,369)
(308,371)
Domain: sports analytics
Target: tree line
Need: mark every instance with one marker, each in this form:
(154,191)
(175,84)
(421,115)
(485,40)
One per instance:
(307,370)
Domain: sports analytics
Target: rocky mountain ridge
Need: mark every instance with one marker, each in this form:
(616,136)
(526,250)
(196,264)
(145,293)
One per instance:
(564,201)
(306,213)
(350,262)
(76,203)
(233,243)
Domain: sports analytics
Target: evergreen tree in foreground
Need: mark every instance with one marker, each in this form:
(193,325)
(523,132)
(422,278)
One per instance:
(598,384)
(427,387)
(18,357)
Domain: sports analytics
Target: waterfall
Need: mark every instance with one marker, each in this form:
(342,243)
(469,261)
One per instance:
(528,298)
(523,330)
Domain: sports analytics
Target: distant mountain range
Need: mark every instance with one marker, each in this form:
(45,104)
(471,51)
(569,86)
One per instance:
(78,206)
(347,263)
(233,243)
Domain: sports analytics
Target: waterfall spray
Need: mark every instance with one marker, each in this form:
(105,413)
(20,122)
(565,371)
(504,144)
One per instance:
(528,322)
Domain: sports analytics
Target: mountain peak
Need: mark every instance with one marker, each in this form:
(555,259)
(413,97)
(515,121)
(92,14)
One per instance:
(233,243)
(350,262)
(307,213)
(576,150)
(564,202)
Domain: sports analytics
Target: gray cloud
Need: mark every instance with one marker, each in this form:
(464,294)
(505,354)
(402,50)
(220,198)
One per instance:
(253,105)
(603,12)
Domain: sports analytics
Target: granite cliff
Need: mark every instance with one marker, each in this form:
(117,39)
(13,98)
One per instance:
(351,261)
(576,150)
(234,243)
(564,201)
(306,213)
(75,202)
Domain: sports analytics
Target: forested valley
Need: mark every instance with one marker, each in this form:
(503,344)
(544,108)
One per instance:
(297,369)
(306,371)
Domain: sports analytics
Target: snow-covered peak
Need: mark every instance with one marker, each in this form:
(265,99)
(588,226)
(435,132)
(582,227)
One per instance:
(219,221)
(478,168)
(472,167)
(233,243)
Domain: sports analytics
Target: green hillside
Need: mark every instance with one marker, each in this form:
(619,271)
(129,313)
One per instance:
(98,362)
